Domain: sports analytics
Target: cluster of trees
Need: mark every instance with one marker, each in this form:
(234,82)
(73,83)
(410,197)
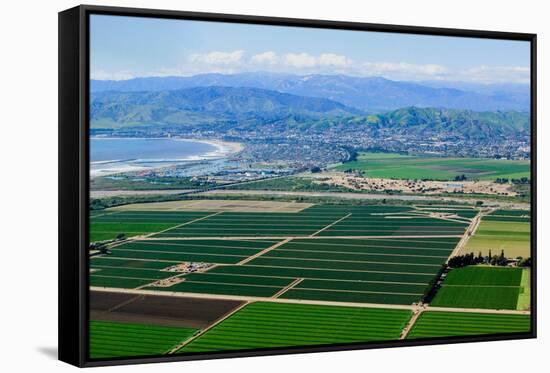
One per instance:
(521,181)
(460,178)
(465,260)
(494,260)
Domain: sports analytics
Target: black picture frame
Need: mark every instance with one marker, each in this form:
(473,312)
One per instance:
(74,178)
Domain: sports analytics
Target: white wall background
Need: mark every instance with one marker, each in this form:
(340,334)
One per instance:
(28,181)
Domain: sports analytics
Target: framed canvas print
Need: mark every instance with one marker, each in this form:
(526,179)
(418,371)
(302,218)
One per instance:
(237,186)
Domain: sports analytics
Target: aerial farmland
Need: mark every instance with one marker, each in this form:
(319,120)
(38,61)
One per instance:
(368,188)
(370,269)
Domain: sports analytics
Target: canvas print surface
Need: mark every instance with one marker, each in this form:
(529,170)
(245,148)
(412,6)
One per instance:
(263,187)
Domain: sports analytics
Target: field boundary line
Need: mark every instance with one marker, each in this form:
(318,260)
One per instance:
(201,332)
(407,329)
(350,261)
(344,270)
(477,310)
(304,237)
(320,278)
(481,286)
(358,253)
(287,288)
(358,291)
(114,308)
(183,224)
(330,225)
(252,299)
(470,231)
(303,301)
(252,257)
(123,277)
(176,252)
(104,214)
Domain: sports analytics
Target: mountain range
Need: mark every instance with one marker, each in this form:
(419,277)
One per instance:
(222,108)
(371,94)
(207,105)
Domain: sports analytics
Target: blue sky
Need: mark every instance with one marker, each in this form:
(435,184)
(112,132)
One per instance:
(127,47)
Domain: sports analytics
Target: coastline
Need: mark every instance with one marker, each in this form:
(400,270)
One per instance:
(223,149)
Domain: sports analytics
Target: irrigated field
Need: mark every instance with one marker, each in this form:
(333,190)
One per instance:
(397,166)
(116,339)
(271,325)
(345,270)
(508,230)
(141,262)
(480,287)
(448,324)
(319,221)
(343,255)
(107,225)
(300,255)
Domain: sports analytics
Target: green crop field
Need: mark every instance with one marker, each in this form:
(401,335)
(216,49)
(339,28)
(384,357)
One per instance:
(386,270)
(397,166)
(392,271)
(448,324)
(109,224)
(346,220)
(508,230)
(271,325)
(140,262)
(307,259)
(352,254)
(480,287)
(117,339)
(524,298)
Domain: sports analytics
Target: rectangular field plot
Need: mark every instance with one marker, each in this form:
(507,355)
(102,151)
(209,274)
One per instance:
(108,225)
(448,324)
(398,166)
(300,255)
(229,285)
(462,212)
(480,287)
(323,220)
(270,325)
(364,221)
(115,339)
(496,234)
(208,251)
(216,205)
(521,216)
(389,271)
(126,273)
(229,224)
(140,262)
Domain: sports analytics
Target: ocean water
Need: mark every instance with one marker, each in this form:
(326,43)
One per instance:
(146,150)
(115,155)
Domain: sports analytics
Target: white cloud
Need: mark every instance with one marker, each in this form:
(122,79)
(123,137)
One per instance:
(231,62)
(331,59)
(218,58)
(300,60)
(100,74)
(400,70)
(267,58)
(496,74)
(324,60)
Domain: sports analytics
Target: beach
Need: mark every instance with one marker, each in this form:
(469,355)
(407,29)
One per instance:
(133,161)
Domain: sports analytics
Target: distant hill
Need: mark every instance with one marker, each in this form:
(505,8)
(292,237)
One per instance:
(225,108)
(207,105)
(466,123)
(373,94)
